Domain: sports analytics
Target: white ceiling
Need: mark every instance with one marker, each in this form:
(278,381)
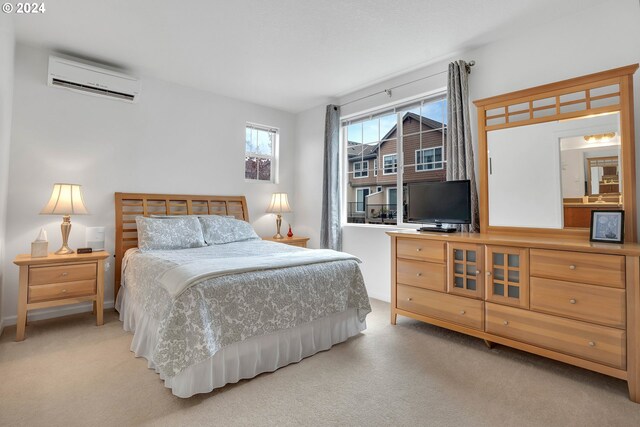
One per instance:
(288,54)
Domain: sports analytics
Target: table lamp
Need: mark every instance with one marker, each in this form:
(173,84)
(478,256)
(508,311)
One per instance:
(279,205)
(66,200)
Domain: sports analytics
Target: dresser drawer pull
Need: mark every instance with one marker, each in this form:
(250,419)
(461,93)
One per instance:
(65,274)
(64,291)
(462,312)
(572,301)
(505,323)
(419,250)
(592,344)
(418,274)
(488,273)
(409,299)
(572,267)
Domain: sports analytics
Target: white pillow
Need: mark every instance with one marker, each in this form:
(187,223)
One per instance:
(218,230)
(160,234)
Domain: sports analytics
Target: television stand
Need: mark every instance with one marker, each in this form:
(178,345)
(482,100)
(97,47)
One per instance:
(439,228)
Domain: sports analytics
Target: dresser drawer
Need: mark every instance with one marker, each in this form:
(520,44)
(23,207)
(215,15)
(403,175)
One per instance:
(421,250)
(464,311)
(596,269)
(426,275)
(587,341)
(597,304)
(64,290)
(62,273)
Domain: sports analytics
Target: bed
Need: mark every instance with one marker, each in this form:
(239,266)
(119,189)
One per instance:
(209,315)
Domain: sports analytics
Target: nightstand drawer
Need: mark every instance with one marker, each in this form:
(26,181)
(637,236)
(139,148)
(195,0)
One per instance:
(62,273)
(61,290)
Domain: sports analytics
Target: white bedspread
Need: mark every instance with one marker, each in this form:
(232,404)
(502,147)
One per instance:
(179,278)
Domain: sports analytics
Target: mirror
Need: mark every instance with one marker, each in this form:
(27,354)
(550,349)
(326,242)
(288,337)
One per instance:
(553,174)
(533,180)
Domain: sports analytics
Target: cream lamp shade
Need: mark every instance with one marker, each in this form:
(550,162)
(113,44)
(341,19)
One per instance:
(66,200)
(279,205)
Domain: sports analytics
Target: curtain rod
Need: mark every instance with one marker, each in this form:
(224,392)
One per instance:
(388,91)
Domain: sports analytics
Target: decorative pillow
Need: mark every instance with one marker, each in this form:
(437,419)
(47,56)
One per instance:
(160,234)
(218,230)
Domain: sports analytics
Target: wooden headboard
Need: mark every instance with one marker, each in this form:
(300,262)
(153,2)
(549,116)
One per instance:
(131,205)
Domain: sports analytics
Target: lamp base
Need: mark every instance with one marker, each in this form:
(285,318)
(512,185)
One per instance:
(278,236)
(64,250)
(65,227)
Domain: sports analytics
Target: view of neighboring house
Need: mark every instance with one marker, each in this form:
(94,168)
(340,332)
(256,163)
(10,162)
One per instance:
(372,191)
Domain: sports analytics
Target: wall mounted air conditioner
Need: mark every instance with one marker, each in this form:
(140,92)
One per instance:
(92,80)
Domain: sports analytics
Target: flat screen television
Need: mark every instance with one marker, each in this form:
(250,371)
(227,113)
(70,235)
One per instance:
(439,203)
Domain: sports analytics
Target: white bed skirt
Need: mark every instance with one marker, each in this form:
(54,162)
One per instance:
(241,360)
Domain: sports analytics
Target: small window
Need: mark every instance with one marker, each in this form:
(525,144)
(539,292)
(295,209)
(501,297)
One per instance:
(375,167)
(260,149)
(390,162)
(361,169)
(429,159)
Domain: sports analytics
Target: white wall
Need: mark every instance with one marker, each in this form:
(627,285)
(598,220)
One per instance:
(532,56)
(175,140)
(6,90)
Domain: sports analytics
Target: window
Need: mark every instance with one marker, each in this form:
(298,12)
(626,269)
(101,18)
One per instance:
(361,169)
(390,164)
(407,142)
(429,159)
(361,198)
(260,149)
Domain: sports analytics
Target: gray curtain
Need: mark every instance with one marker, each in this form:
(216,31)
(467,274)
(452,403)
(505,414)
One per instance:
(330,231)
(459,151)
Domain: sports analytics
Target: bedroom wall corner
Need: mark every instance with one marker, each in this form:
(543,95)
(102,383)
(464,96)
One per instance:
(175,140)
(307,203)
(7,44)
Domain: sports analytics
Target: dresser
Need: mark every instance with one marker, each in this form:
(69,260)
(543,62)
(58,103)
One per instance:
(57,280)
(566,299)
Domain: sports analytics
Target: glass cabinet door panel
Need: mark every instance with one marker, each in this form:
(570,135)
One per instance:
(507,272)
(464,265)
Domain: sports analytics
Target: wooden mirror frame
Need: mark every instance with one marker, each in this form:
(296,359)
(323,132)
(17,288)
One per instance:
(512,115)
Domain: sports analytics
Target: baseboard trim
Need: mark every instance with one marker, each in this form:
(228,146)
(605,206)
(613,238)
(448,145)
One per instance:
(379,296)
(50,313)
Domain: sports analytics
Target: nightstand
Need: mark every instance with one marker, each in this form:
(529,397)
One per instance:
(293,241)
(59,280)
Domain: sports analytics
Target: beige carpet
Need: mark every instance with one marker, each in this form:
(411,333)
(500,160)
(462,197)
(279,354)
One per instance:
(70,372)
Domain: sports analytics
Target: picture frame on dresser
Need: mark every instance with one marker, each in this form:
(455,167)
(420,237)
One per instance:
(607,226)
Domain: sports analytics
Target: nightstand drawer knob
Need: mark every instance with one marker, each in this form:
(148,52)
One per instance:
(462,312)
(65,274)
(419,274)
(64,291)
(572,301)
(572,267)
(409,299)
(505,323)
(592,344)
(419,250)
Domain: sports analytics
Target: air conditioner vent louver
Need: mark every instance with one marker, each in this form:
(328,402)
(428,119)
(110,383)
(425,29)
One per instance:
(97,91)
(92,79)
